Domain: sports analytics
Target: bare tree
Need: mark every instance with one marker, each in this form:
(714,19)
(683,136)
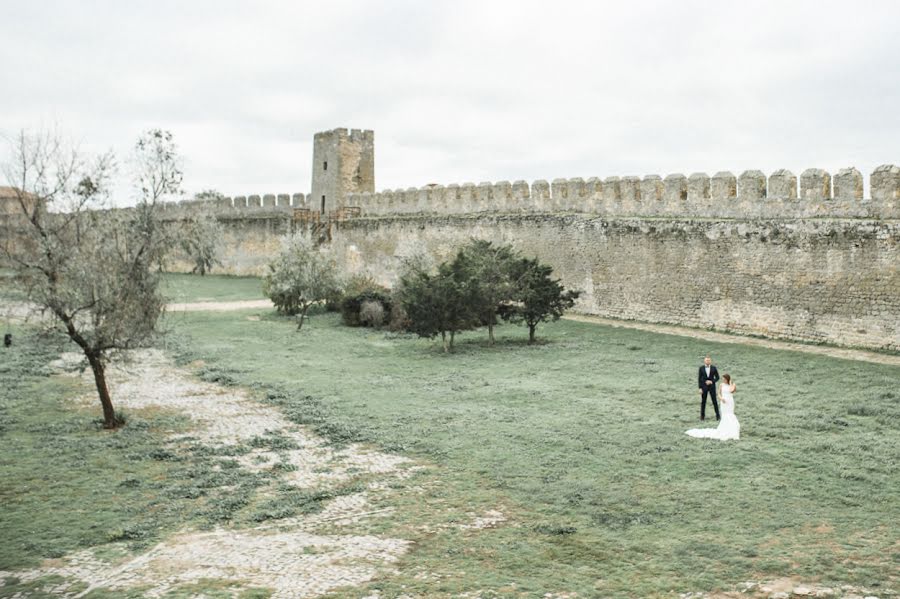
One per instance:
(92,268)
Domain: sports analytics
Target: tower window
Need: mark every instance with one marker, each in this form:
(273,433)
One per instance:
(325,166)
(323,204)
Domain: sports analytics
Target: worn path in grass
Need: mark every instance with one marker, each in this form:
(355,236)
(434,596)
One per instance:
(299,556)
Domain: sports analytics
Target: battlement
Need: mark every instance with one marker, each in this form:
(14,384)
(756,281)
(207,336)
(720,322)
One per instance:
(241,206)
(815,194)
(357,135)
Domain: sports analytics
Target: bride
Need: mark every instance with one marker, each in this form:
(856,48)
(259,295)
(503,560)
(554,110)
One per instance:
(729,427)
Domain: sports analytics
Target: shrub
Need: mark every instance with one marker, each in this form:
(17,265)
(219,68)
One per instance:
(399,319)
(352,304)
(299,277)
(371,314)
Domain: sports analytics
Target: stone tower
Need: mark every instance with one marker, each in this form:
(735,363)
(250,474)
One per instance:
(343,162)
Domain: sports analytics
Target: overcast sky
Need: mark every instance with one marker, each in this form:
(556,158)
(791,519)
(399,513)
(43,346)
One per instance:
(463,90)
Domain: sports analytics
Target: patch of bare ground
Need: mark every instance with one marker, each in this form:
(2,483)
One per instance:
(293,557)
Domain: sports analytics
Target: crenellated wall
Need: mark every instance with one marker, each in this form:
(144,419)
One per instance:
(253,203)
(806,258)
(815,194)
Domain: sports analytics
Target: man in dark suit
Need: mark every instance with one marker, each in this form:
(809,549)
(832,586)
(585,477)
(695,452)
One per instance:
(707,378)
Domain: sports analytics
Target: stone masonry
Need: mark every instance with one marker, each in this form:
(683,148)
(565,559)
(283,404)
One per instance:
(806,257)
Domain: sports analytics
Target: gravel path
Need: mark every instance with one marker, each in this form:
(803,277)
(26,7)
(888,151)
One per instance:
(821,350)
(293,557)
(219,306)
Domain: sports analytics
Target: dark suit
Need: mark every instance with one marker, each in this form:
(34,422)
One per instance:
(710,390)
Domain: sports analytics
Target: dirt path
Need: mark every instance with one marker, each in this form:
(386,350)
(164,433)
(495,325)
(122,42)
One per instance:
(298,557)
(219,306)
(821,350)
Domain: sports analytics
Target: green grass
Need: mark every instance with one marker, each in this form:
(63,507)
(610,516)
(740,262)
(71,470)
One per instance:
(192,288)
(581,438)
(578,440)
(67,484)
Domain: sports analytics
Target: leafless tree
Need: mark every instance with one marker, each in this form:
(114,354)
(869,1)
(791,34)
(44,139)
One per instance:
(94,269)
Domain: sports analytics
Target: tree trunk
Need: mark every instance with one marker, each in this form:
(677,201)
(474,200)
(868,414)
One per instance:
(452,335)
(531,329)
(109,414)
(491,330)
(302,317)
(444,341)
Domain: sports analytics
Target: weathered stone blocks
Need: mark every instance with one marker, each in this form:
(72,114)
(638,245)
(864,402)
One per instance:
(451,198)
(467,197)
(484,196)
(410,199)
(283,200)
(559,194)
(723,186)
(521,190)
(269,200)
(675,188)
(848,184)
(240,202)
(698,187)
(254,201)
(885,183)
(540,195)
(612,189)
(652,189)
(783,185)
(576,195)
(501,194)
(815,185)
(298,200)
(752,186)
(631,189)
(437,200)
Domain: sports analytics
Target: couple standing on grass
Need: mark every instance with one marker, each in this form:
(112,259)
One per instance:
(729,427)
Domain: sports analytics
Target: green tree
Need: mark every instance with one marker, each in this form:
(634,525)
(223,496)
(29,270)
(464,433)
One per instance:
(438,303)
(94,270)
(489,268)
(300,275)
(200,234)
(537,297)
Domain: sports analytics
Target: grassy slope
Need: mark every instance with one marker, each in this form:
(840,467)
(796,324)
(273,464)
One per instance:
(585,433)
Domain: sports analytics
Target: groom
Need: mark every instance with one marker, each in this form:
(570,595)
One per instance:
(707,378)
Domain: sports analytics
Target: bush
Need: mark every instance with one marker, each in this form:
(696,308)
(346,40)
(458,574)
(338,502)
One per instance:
(360,290)
(399,319)
(299,277)
(371,314)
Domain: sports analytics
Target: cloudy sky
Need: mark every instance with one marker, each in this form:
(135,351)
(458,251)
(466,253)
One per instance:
(463,90)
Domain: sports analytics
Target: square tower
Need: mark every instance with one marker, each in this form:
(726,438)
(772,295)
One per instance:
(343,162)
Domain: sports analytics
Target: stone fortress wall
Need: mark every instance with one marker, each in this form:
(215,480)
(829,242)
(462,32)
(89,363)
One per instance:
(815,194)
(806,258)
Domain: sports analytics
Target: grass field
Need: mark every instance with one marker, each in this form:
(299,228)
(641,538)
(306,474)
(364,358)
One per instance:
(583,437)
(192,288)
(579,441)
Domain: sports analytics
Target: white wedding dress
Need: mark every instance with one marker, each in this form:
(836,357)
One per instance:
(729,427)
